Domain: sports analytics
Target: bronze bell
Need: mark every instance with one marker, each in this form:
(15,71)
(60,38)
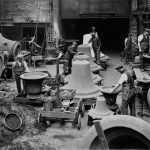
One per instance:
(101,110)
(81,80)
(86,49)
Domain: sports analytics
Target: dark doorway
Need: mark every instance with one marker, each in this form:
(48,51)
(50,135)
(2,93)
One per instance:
(112,31)
(29,32)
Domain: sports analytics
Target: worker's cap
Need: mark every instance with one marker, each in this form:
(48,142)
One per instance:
(118,66)
(130,34)
(147,30)
(74,43)
(19,56)
(93,28)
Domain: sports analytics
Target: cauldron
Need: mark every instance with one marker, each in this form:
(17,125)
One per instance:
(33,82)
(110,97)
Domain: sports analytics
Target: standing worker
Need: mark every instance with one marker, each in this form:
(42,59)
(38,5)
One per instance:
(128,90)
(143,43)
(19,67)
(129,53)
(71,51)
(96,44)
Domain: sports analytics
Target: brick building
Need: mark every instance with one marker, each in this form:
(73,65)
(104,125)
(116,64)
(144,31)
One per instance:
(113,19)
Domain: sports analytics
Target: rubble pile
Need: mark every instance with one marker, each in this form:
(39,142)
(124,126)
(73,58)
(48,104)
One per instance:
(28,115)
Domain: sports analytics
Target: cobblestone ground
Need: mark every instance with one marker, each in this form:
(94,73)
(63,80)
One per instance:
(59,136)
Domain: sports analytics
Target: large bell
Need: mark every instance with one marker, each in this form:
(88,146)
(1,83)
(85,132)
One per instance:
(86,49)
(96,78)
(12,47)
(101,110)
(81,80)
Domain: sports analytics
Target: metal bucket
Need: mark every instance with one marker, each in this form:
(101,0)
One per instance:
(12,121)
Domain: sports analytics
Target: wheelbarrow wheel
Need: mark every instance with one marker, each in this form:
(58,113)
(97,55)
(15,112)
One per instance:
(79,122)
(40,118)
(75,121)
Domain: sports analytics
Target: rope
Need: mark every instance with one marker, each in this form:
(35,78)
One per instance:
(35,33)
(43,39)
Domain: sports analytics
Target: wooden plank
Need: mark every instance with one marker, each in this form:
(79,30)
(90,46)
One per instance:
(138,74)
(58,114)
(101,135)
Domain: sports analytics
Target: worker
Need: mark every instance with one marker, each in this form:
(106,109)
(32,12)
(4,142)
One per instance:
(93,30)
(96,44)
(71,51)
(143,43)
(128,50)
(62,45)
(19,67)
(128,90)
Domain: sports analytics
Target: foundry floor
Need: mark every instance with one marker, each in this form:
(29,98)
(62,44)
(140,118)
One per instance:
(65,137)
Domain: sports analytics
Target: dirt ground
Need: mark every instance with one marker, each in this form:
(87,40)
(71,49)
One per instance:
(56,136)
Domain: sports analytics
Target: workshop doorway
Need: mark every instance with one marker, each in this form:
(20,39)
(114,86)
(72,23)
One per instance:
(112,31)
(29,32)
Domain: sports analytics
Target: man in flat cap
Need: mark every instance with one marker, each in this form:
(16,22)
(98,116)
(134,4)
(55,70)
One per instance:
(19,67)
(128,90)
(71,51)
(143,43)
(129,50)
(96,45)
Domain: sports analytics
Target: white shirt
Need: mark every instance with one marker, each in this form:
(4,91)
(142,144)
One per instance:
(123,78)
(140,38)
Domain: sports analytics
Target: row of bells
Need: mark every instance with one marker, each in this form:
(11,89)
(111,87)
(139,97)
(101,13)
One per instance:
(82,80)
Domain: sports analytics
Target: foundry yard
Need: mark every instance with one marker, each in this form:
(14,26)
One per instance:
(74,74)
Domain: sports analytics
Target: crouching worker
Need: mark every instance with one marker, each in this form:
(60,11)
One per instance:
(128,90)
(19,67)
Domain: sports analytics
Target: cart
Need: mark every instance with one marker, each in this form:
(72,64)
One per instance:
(60,107)
(69,110)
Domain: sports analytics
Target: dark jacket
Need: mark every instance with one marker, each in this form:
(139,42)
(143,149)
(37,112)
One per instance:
(96,43)
(71,51)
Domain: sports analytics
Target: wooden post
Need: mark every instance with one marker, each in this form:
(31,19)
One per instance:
(57,82)
(101,135)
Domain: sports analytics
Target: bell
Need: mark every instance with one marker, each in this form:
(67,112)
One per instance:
(86,49)
(101,110)
(81,80)
(96,78)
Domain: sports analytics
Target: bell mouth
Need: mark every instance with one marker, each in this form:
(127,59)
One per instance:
(34,76)
(95,114)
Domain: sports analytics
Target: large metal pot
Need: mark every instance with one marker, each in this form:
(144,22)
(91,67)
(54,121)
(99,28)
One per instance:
(33,82)
(110,97)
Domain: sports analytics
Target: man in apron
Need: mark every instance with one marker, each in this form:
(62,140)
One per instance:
(128,90)
(19,67)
